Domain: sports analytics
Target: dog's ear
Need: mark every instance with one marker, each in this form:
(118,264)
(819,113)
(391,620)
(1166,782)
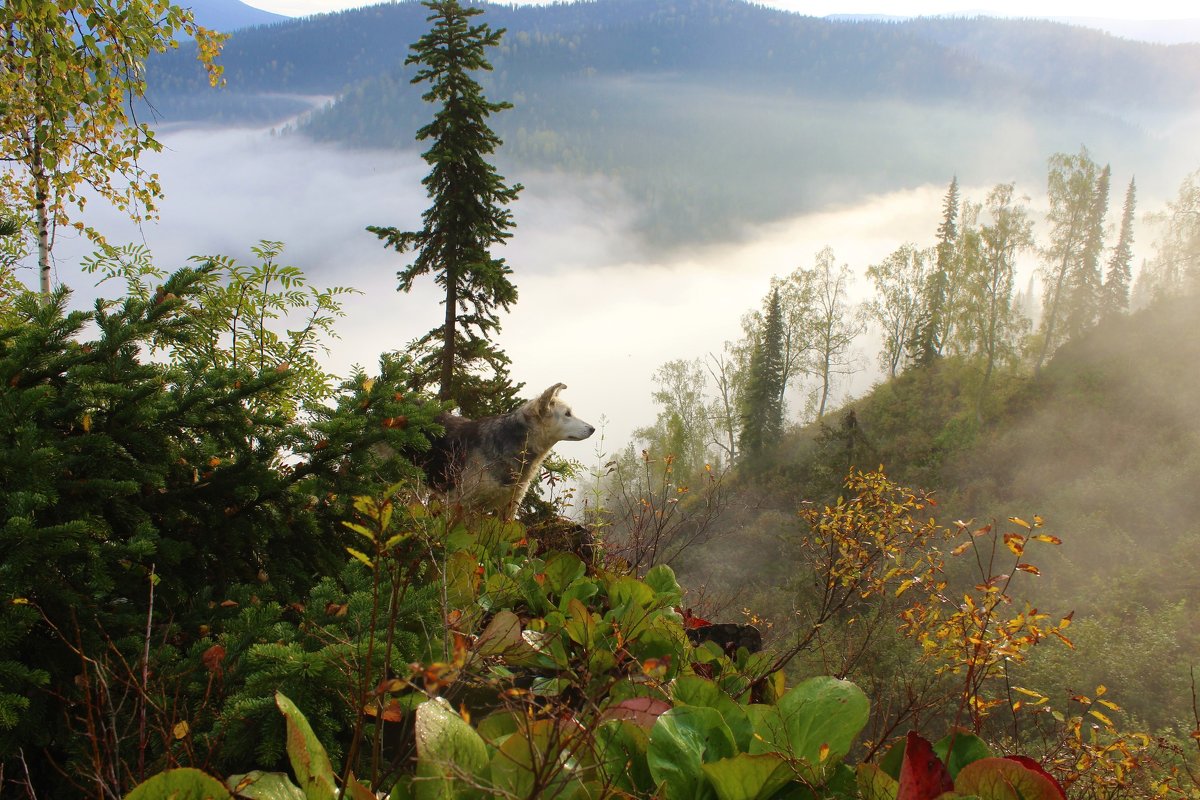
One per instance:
(543,403)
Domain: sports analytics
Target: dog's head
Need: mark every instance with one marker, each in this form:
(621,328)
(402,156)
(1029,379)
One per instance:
(554,417)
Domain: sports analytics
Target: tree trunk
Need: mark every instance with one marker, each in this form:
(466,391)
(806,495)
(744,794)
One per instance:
(42,218)
(446,389)
(1058,286)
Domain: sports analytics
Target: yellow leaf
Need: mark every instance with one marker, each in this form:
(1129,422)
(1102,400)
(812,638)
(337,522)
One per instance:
(1047,538)
(823,753)
(904,585)
(1101,717)
(1108,705)
(1021,522)
(1015,542)
(958,551)
(361,556)
(86,423)
(180,730)
(361,530)
(1030,568)
(20,601)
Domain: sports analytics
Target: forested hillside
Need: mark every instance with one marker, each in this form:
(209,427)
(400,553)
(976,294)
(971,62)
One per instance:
(1102,445)
(1063,440)
(717,113)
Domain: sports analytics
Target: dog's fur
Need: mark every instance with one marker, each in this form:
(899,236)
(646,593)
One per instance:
(488,464)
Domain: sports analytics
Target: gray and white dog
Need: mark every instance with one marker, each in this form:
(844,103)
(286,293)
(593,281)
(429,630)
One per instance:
(488,464)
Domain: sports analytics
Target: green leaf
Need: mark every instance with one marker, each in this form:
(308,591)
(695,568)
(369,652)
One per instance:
(662,580)
(581,626)
(528,751)
(621,756)
(448,750)
(747,777)
(309,760)
(184,783)
(461,579)
(815,722)
(627,590)
(259,785)
(682,740)
(693,690)
(561,570)
(581,589)
(959,749)
(875,784)
(1002,779)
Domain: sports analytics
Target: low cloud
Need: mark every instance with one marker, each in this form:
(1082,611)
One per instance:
(598,310)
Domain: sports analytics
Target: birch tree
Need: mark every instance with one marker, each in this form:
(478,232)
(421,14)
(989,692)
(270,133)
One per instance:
(70,71)
(1071,185)
(900,293)
(837,323)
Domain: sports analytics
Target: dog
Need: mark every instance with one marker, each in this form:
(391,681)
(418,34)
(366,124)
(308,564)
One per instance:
(488,464)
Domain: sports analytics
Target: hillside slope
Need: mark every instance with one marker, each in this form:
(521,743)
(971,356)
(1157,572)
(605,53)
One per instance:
(1104,445)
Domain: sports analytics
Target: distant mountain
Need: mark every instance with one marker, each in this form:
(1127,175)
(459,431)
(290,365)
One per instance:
(717,113)
(230,15)
(1160,31)
(1156,31)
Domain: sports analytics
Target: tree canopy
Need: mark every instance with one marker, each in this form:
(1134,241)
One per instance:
(69,71)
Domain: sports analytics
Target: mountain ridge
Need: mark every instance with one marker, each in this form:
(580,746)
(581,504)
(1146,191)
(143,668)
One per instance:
(718,114)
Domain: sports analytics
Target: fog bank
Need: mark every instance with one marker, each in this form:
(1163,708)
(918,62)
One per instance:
(597,310)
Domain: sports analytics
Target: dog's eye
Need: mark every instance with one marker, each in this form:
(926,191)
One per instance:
(568,412)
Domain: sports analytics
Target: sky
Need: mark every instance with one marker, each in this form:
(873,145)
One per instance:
(1125,9)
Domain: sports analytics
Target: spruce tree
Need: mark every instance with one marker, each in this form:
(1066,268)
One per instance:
(930,334)
(762,411)
(468,216)
(1115,298)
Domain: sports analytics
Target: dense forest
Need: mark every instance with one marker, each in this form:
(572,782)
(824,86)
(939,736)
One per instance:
(225,573)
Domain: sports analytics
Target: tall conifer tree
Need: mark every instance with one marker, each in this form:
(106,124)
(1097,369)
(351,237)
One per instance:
(1116,283)
(468,217)
(762,413)
(931,334)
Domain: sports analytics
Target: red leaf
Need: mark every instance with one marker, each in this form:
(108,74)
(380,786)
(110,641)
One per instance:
(922,775)
(212,658)
(692,622)
(641,711)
